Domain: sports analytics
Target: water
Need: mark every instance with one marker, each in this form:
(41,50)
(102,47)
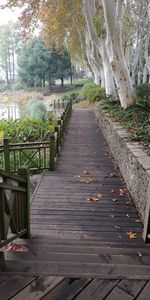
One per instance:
(9,111)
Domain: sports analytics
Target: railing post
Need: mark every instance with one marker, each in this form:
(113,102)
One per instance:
(57,140)
(2,261)
(6,155)
(59,134)
(24,173)
(52,152)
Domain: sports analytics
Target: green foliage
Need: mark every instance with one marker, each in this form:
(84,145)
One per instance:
(38,64)
(70,96)
(134,118)
(36,110)
(98,22)
(92,92)
(27,130)
(143,91)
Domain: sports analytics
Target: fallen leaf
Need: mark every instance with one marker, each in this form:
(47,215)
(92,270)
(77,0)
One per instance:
(115,200)
(112,191)
(127,216)
(117,227)
(14,247)
(113,210)
(94,198)
(131,235)
(85,172)
(139,253)
(128,203)
(122,191)
(112,216)
(138,221)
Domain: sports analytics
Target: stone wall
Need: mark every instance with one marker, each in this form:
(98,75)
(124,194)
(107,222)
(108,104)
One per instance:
(133,162)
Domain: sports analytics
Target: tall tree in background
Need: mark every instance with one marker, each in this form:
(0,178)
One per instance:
(37,63)
(9,43)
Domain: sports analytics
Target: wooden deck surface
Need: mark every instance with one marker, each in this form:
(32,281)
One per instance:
(78,238)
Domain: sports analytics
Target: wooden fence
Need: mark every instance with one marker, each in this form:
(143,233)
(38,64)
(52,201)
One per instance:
(14,208)
(36,156)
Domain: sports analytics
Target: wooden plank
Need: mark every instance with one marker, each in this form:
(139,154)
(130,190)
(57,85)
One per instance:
(67,289)
(38,288)
(119,294)
(97,289)
(132,287)
(145,293)
(73,269)
(13,285)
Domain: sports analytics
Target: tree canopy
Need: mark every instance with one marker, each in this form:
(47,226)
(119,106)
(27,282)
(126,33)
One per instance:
(112,36)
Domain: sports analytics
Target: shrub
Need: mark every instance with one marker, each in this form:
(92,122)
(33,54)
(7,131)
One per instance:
(26,130)
(143,92)
(93,92)
(36,110)
(70,96)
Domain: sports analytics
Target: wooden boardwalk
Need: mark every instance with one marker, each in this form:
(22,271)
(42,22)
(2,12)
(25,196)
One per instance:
(82,219)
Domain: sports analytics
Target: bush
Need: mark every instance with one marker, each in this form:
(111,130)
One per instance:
(93,92)
(143,92)
(70,96)
(26,130)
(36,110)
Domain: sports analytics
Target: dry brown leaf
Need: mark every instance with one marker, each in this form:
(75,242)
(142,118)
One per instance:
(14,247)
(94,198)
(138,221)
(114,200)
(122,191)
(131,235)
(113,210)
(117,227)
(127,215)
(85,172)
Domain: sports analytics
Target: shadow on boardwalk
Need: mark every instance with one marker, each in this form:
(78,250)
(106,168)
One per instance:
(81,216)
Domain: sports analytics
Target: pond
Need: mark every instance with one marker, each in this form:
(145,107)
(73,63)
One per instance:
(9,110)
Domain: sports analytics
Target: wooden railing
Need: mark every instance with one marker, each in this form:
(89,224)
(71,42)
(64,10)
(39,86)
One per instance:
(36,156)
(14,208)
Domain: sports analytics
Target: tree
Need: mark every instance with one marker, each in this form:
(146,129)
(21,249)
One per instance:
(9,43)
(33,63)
(37,63)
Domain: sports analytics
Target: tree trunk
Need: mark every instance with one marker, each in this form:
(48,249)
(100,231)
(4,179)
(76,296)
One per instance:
(108,74)
(62,81)
(113,13)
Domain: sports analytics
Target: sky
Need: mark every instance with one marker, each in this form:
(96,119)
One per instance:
(6,14)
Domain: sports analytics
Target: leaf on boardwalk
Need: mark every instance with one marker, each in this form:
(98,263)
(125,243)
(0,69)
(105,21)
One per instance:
(138,221)
(127,215)
(113,210)
(122,191)
(94,198)
(14,247)
(117,227)
(85,172)
(139,253)
(112,191)
(115,200)
(86,180)
(131,235)
(112,216)
(109,175)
